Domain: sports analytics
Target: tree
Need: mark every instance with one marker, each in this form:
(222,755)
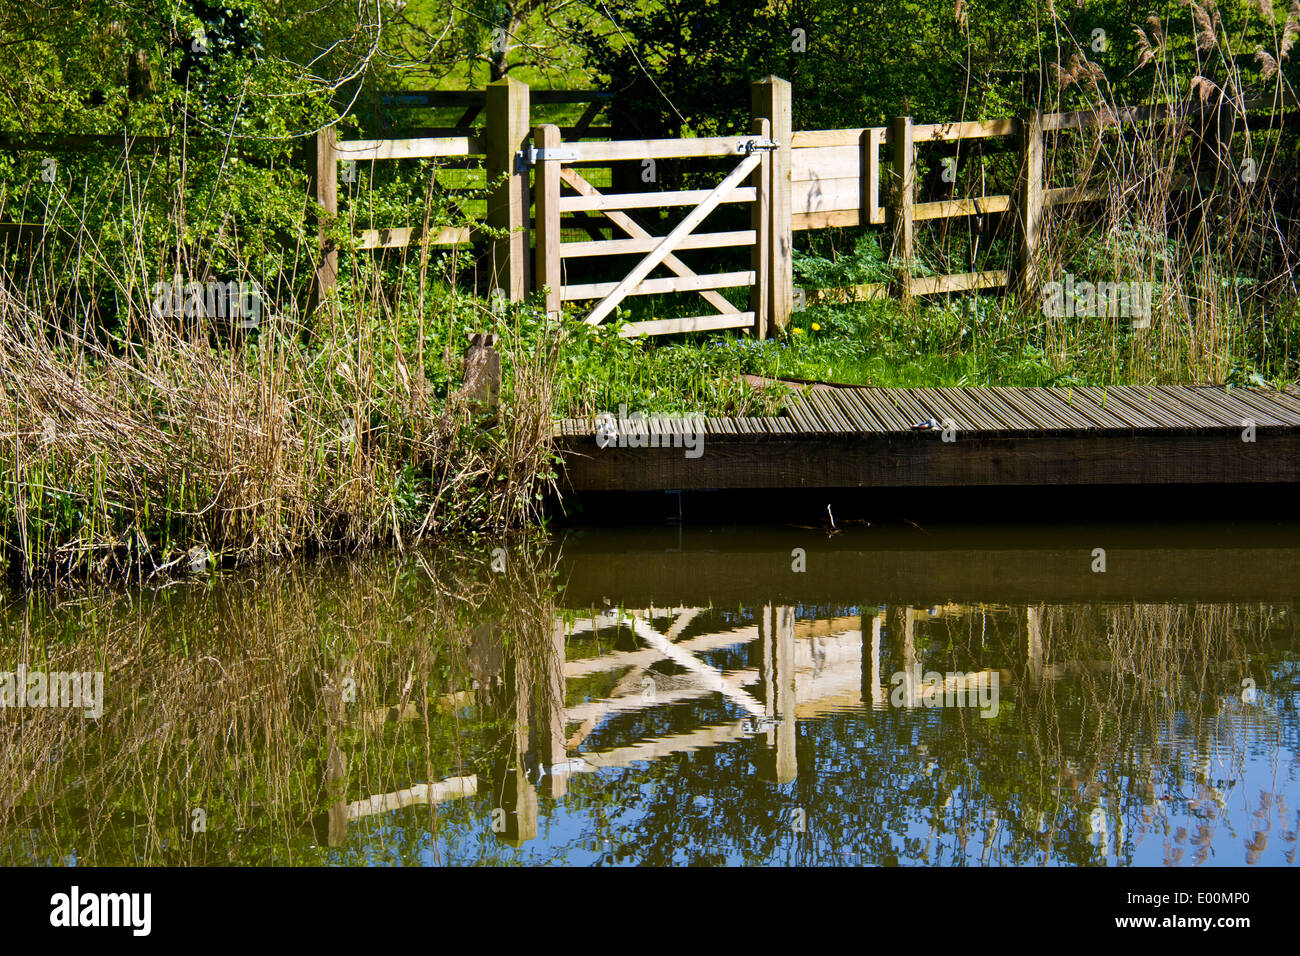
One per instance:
(434,41)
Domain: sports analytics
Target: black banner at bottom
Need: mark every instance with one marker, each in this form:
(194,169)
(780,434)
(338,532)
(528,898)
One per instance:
(339,906)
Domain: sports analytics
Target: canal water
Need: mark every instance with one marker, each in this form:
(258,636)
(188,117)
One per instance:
(843,696)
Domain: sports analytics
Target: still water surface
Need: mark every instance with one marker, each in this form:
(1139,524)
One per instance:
(783,695)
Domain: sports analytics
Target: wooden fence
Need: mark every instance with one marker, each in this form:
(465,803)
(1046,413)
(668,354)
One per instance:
(792,181)
(837,182)
(510,151)
(506,106)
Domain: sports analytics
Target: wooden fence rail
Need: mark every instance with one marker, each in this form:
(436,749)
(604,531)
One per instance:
(497,150)
(831,178)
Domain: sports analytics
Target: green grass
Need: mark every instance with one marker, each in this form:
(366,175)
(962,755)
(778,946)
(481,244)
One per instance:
(971,342)
(948,341)
(882,343)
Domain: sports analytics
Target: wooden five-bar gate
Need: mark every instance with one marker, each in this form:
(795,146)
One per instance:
(554,160)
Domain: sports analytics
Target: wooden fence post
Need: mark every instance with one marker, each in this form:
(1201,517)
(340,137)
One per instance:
(546,271)
(761,219)
(1029,207)
(325,187)
(787,759)
(903,198)
(506,132)
(770,100)
(557,750)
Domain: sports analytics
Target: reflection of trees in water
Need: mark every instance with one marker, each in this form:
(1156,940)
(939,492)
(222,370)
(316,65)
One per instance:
(273,702)
(1117,714)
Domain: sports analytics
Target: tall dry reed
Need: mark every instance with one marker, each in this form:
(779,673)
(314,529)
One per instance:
(1193,192)
(150,441)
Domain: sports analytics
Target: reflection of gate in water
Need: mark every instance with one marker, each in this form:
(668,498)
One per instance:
(806,668)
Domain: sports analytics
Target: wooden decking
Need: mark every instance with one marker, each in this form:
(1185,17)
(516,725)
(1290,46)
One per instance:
(893,437)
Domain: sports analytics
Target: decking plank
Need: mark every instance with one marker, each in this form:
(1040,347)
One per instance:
(975,410)
(1026,402)
(1222,415)
(871,422)
(888,415)
(1054,404)
(1107,402)
(1254,399)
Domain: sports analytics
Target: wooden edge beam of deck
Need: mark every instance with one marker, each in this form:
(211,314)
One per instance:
(923,459)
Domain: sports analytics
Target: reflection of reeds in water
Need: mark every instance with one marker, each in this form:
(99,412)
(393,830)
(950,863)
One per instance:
(1155,661)
(1124,717)
(1155,688)
(266,704)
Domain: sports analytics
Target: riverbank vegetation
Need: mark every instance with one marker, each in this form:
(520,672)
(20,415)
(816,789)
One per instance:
(168,450)
(139,436)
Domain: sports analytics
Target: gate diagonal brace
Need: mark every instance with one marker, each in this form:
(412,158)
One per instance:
(669,242)
(630,226)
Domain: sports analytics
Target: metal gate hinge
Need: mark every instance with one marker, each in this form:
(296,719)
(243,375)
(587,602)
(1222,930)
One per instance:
(532,156)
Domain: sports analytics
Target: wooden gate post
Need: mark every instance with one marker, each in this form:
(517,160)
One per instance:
(903,202)
(761,219)
(324,178)
(1029,208)
(546,270)
(770,100)
(506,133)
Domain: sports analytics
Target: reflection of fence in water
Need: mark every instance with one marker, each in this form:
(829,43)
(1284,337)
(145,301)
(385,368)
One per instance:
(806,669)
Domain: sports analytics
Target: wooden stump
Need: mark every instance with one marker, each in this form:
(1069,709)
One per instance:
(482,377)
